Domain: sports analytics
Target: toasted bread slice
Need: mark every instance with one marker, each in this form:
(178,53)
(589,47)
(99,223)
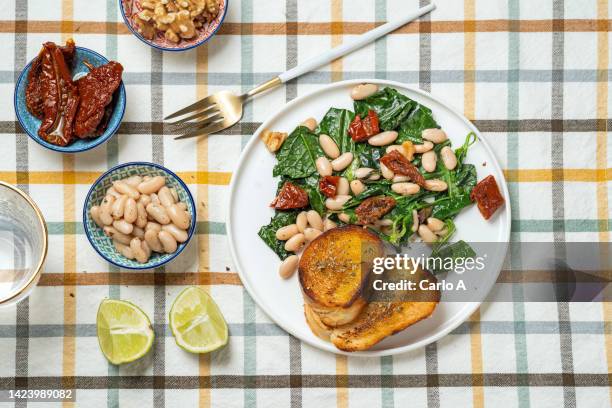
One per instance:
(380,319)
(318,328)
(334,271)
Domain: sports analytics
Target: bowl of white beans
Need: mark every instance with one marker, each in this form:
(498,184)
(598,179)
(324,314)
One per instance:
(139,215)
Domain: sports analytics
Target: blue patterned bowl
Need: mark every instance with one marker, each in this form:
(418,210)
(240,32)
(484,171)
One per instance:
(30,123)
(103,244)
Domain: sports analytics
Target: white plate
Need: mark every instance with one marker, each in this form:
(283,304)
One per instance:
(253,188)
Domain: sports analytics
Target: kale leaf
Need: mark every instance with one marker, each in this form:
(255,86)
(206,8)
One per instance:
(390,106)
(418,120)
(335,124)
(296,158)
(268,232)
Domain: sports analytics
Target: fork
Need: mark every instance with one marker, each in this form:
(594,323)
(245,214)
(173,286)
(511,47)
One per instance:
(223,110)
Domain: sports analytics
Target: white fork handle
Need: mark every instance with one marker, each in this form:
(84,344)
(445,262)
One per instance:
(352,45)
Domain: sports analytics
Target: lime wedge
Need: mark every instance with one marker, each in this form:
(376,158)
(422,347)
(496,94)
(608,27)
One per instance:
(124,331)
(196,322)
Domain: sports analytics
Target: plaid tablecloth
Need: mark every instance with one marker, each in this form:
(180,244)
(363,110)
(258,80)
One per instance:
(533,75)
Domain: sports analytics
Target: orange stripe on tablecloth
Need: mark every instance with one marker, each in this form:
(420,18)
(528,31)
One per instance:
(322,28)
(73,278)
(88,177)
(204,396)
(603,44)
(469,109)
(337,30)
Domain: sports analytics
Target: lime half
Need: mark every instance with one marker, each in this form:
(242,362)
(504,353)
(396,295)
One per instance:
(124,331)
(196,322)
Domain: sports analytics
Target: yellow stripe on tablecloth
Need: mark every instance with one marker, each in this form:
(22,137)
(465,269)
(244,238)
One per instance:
(203,215)
(469,109)
(601,160)
(336,75)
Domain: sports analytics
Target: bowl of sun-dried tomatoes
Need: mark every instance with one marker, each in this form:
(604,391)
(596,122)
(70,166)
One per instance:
(70,99)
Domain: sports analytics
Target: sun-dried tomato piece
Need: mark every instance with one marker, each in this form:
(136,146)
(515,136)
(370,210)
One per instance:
(96,90)
(370,123)
(371,209)
(329,185)
(60,96)
(487,196)
(363,129)
(356,130)
(290,197)
(399,164)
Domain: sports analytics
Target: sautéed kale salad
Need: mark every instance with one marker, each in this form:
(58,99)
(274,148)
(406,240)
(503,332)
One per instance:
(386,165)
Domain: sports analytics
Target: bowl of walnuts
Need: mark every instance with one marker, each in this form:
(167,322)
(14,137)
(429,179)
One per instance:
(173,25)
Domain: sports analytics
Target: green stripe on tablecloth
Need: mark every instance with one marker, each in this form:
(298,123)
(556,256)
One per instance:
(62,228)
(112,154)
(520,339)
(249,312)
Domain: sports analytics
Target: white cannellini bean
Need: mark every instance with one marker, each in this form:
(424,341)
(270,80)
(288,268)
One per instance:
(387,173)
(145,199)
(117,236)
(435,224)
(374,177)
(139,253)
(362,91)
(435,185)
(386,222)
(328,224)
(310,234)
(95,216)
(448,158)
(342,162)
(123,227)
(123,249)
(337,202)
(426,234)
(400,178)
(357,187)
(286,232)
(125,188)
(383,139)
(343,187)
(301,221)
(174,194)
(405,188)
(324,166)
(288,266)
(180,218)
(119,207)
(168,242)
(182,206)
(422,148)
(105,215)
(130,211)
(146,248)
(113,192)
(314,219)
(179,234)
(434,135)
(415,221)
(133,181)
(310,123)
(154,199)
(429,160)
(142,217)
(363,172)
(165,196)
(158,213)
(295,243)
(151,238)
(330,148)
(345,218)
(151,225)
(138,232)
(152,185)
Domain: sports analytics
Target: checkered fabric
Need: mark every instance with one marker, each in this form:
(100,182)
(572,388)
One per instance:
(534,76)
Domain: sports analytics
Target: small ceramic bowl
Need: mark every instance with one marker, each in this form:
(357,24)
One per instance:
(30,123)
(23,244)
(102,243)
(131,7)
